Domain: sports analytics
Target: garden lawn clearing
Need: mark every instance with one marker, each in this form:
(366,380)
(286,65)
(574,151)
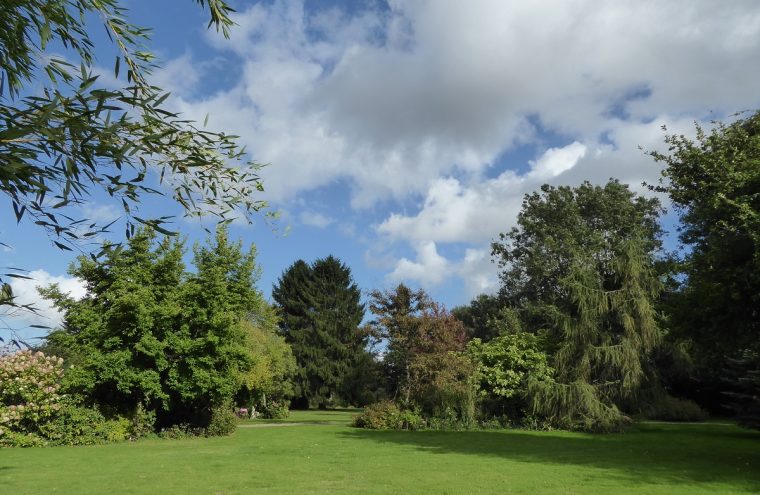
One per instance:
(322,457)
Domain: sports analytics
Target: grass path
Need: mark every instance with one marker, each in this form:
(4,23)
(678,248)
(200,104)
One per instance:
(334,458)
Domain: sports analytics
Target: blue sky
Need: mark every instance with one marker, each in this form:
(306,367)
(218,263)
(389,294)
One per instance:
(401,136)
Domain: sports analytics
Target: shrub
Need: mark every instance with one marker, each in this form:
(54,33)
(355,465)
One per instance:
(29,394)
(142,423)
(503,367)
(75,426)
(223,422)
(182,430)
(275,410)
(669,408)
(34,413)
(386,415)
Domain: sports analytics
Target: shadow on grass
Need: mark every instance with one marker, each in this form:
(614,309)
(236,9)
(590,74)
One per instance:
(671,454)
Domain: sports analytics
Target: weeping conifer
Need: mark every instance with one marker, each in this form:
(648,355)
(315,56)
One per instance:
(607,327)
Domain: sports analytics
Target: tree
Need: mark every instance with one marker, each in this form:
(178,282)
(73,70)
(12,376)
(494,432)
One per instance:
(743,379)
(269,378)
(64,135)
(397,315)
(150,334)
(321,316)
(426,367)
(607,330)
(504,367)
(555,225)
(478,315)
(714,183)
(582,265)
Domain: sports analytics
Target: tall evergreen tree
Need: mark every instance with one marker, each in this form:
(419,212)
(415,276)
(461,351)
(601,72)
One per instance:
(608,329)
(321,316)
(581,266)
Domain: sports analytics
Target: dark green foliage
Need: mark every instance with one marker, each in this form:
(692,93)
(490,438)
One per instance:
(714,183)
(582,265)
(743,388)
(321,313)
(148,334)
(477,316)
(669,408)
(558,224)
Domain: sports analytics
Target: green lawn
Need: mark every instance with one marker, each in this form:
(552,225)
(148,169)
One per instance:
(334,458)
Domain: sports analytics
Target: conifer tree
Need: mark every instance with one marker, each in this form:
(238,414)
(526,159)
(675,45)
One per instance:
(608,329)
(581,268)
(321,314)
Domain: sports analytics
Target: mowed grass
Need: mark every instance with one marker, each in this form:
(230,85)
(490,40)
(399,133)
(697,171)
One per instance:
(334,458)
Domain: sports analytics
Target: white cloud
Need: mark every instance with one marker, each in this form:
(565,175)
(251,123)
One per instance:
(101,213)
(429,269)
(424,98)
(25,292)
(554,161)
(433,88)
(478,272)
(455,212)
(315,219)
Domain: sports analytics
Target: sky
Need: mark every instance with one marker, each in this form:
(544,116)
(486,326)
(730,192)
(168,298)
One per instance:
(401,137)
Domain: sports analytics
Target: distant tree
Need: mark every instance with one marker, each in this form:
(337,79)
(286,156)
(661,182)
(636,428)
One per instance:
(397,318)
(273,365)
(441,375)
(321,316)
(149,333)
(425,364)
(64,135)
(582,265)
(714,183)
(557,224)
(478,315)
(742,377)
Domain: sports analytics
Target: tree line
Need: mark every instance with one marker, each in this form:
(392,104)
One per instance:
(594,323)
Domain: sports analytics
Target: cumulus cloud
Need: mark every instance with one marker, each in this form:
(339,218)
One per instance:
(431,88)
(315,219)
(425,99)
(430,268)
(25,292)
(455,212)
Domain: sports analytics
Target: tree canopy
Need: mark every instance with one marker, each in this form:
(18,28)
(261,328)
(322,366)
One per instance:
(150,334)
(65,135)
(321,315)
(714,183)
(581,264)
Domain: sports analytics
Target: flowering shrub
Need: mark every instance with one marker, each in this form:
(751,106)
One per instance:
(386,415)
(34,413)
(29,395)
